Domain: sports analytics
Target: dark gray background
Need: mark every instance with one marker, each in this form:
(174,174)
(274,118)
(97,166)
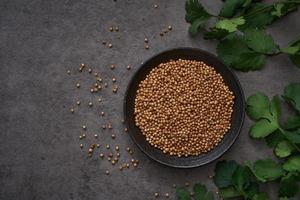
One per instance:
(40,156)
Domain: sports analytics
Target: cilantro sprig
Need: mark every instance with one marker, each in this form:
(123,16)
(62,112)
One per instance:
(240,28)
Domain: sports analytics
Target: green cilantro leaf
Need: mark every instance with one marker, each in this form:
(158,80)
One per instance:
(230,8)
(281,9)
(292,123)
(284,149)
(288,186)
(292,94)
(255,19)
(293,136)
(277,10)
(266,170)
(230,24)
(240,178)
(251,190)
(269,121)
(274,139)
(292,164)
(235,53)
(196,15)
(182,194)
(215,33)
(260,42)
(257,106)
(223,173)
(260,196)
(201,193)
(229,192)
(294,52)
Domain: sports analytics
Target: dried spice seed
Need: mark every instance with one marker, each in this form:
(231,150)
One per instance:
(80,137)
(116,28)
(102,113)
(126,129)
(156,194)
(200,116)
(146,40)
(72,110)
(104,42)
(118,154)
(83,135)
(107,172)
(98,145)
(128,67)
(107,146)
(113,136)
(147,47)
(78,103)
(78,85)
(84,127)
(81,146)
(103,127)
(92,90)
(111,29)
(161,34)
(101,155)
(114,80)
(117,148)
(90,150)
(170,28)
(90,104)
(167,195)
(68,72)
(109,126)
(110,45)
(90,70)
(96,136)
(99,99)
(155,6)
(112,66)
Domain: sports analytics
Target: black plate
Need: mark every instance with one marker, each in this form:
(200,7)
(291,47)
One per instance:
(237,116)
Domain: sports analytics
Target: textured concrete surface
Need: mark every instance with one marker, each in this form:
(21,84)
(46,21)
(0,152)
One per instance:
(40,156)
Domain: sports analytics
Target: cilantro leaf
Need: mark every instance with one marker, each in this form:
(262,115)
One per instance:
(182,194)
(229,192)
(266,170)
(284,149)
(288,186)
(292,123)
(277,10)
(294,52)
(292,164)
(230,7)
(292,94)
(230,24)
(240,178)
(260,42)
(251,190)
(274,139)
(223,173)
(235,53)
(257,105)
(201,193)
(293,136)
(196,15)
(281,9)
(260,196)
(255,19)
(215,33)
(269,122)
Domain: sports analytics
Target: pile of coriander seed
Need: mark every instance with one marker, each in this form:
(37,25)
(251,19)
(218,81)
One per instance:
(183,107)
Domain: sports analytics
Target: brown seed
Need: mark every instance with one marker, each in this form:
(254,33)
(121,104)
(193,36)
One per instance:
(111,29)
(113,162)
(92,90)
(72,110)
(109,158)
(103,127)
(78,103)
(107,172)
(114,79)
(113,136)
(98,145)
(147,47)
(135,164)
(110,155)
(110,45)
(126,129)
(127,149)
(90,70)
(104,42)
(117,148)
(96,74)
(118,154)
(156,194)
(102,113)
(116,28)
(90,104)
(84,127)
(120,168)
(167,195)
(146,40)
(99,99)
(107,146)
(128,67)
(105,85)
(83,135)
(109,126)
(170,27)
(165,31)
(115,90)
(81,146)
(101,155)
(161,34)
(155,6)
(96,136)
(68,72)
(78,85)
(90,150)
(112,66)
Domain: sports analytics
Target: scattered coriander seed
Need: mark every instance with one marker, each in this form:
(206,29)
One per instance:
(170,27)
(96,74)
(90,70)
(92,90)
(147,47)
(72,110)
(90,150)
(78,103)
(110,155)
(78,85)
(142,63)
(80,137)
(117,148)
(187,184)
(174,185)
(217,192)
(135,164)
(104,42)
(99,87)
(161,34)
(116,159)
(112,66)
(167,195)
(137,161)
(210,176)
(83,135)
(115,90)
(109,158)
(101,155)
(102,113)
(98,145)
(99,99)
(81,146)
(156,194)
(114,80)
(84,127)
(118,154)
(155,6)
(68,71)
(116,28)
(90,154)
(90,104)
(127,165)
(126,129)
(82,65)
(107,146)
(165,31)
(99,79)
(123,121)
(93,146)
(96,136)
(113,162)
(130,152)
(127,149)
(124,165)
(105,84)
(95,89)
(192,193)
(111,29)
(110,45)
(146,40)
(128,67)
(120,168)
(132,160)
(113,136)
(107,172)
(109,126)
(103,126)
